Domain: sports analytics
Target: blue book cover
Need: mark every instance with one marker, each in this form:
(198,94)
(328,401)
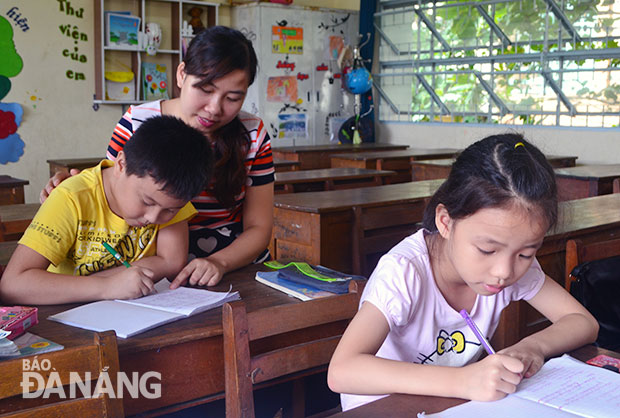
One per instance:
(303,292)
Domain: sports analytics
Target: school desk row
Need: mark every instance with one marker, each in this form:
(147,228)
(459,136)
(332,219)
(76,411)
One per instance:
(574,182)
(189,353)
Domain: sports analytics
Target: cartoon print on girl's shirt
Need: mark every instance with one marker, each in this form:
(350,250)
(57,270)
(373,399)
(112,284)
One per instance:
(448,343)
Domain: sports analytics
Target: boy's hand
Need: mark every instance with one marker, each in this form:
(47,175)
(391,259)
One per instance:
(129,283)
(530,355)
(492,378)
(199,271)
(56,179)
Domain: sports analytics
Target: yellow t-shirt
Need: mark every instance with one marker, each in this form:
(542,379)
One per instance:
(75,219)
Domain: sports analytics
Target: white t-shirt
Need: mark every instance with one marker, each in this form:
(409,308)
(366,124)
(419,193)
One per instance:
(424,328)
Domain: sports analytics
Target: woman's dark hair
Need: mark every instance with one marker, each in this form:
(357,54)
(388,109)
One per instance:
(494,172)
(212,54)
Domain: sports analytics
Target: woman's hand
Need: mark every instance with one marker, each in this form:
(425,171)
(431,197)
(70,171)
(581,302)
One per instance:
(201,272)
(56,179)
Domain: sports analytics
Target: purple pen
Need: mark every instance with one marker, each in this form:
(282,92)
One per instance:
(477,332)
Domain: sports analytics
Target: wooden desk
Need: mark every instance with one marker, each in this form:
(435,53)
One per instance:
(399,405)
(586,180)
(329,179)
(285,165)
(316,227)
(188,353)
(440,168)
(14,219)
(11,190)
(317,156)
(399,161)
(67,164)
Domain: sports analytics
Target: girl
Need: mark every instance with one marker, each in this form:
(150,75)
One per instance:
(476,252)
(235,212)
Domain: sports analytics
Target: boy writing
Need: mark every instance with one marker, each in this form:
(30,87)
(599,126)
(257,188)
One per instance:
(139,205)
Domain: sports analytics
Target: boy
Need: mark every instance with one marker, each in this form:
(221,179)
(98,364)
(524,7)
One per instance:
(138,205)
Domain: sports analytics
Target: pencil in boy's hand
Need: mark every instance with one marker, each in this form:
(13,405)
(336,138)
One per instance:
(477,332)
(115,254)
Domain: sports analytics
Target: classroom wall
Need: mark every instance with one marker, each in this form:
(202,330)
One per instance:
(59,120)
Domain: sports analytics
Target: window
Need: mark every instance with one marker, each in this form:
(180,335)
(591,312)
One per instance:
(542,62)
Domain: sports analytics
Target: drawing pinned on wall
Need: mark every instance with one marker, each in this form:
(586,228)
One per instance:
(292,126)
(335,45)
(287,40)
(11,145)
(282,89)
(11,64)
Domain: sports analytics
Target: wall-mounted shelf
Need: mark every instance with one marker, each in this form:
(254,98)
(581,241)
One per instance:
(169,14)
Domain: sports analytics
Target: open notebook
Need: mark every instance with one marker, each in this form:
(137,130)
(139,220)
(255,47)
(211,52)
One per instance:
(563,388)
(133,316)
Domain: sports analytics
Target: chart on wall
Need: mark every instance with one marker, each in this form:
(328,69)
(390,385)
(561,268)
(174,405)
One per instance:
(298,91)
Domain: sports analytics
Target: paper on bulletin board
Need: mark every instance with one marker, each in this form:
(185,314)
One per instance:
(335,44)
(292,126)
(282,89)
(286,40)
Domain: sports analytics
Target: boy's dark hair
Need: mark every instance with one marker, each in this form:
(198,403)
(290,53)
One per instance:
(213,53)
(493,172)
(173,153)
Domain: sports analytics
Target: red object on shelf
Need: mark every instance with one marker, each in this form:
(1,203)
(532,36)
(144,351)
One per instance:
(282,1)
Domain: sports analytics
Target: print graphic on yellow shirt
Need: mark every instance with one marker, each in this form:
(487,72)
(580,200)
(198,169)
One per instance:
(71,225)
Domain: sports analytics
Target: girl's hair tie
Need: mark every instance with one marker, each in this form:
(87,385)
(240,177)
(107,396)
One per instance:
(519,144)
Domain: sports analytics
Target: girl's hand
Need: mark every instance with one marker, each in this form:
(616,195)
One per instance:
(56,179)
(199,271)
(492,378)
(129,283)
(529,354)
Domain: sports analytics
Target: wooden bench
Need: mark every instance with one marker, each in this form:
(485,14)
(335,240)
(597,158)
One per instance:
(285,165)
(317,156)
(11,190)
(399,161)
(298,350)
(88,359)
(329,179)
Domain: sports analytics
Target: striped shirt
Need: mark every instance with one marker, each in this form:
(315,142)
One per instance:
(211,214)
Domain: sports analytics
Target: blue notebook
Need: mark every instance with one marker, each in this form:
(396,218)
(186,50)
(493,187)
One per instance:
(272,279)
(340,286)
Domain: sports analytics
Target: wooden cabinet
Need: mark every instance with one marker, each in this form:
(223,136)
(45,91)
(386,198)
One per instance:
(169,14)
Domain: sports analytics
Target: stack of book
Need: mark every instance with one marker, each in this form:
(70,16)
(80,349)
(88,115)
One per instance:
(306,282)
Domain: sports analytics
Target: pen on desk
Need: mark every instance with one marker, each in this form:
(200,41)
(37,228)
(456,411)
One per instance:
(477,332)
(115,254)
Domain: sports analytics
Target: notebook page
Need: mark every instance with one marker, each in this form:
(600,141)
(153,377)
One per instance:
(123,318)
(574,386)
(183,300)
(509,407)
